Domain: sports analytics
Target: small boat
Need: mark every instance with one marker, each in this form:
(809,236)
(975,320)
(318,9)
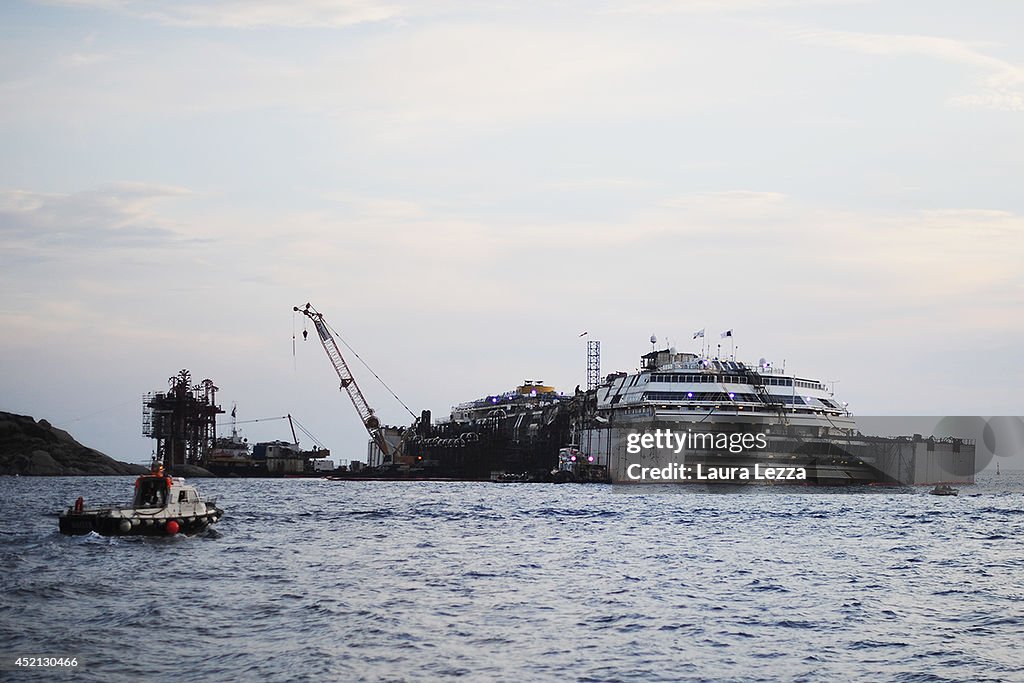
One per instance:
(510,478)
(944,490)
(162,506)
(574,466)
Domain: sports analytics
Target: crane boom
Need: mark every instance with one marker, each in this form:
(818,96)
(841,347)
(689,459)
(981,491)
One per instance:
(348,381)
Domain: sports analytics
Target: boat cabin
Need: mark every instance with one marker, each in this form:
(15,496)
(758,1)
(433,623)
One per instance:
(151,491)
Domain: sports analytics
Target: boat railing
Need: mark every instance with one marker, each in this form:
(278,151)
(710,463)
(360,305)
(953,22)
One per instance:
(93,508)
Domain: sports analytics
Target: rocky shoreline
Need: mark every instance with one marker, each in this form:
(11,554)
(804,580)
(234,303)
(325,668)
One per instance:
(31,448)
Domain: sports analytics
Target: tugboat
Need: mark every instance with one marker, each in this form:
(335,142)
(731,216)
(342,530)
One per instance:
(575,467)
(163,506)
(944,490)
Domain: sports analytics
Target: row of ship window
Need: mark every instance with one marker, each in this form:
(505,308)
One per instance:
(732,379)
(711,379)
(737,398)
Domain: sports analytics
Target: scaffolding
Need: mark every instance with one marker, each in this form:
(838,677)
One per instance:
(593,364)
(182,420)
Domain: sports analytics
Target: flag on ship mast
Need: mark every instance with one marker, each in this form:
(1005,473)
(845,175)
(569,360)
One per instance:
(727,333)
(699,333)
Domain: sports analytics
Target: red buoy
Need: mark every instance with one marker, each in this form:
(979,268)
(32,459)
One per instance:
(172,527)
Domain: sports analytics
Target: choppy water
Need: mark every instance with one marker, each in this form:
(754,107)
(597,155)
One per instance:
(316,580)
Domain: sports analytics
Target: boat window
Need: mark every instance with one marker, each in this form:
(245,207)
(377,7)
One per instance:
(794,400)
(152,493)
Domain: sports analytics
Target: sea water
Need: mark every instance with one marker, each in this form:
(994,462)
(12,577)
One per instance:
(313,580)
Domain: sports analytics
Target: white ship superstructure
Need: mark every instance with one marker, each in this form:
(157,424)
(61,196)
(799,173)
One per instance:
(687,392)
(672,383)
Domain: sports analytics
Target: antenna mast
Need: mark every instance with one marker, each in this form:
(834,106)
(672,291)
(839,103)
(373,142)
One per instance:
(593,364)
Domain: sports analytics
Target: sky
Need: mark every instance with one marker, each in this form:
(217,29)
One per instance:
(464,188)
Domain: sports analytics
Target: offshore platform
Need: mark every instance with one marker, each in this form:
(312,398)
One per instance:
(183,420)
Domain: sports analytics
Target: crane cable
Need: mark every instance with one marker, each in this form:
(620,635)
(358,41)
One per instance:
(245,422)
(335,332)
(298,424)
(308,433)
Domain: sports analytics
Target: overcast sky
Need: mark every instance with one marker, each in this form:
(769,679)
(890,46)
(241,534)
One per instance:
(463,188)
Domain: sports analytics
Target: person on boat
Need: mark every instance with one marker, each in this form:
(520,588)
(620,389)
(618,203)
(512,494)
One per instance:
(152,492)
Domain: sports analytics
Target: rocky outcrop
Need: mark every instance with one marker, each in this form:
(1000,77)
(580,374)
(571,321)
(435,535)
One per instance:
(190,472)
(38,448)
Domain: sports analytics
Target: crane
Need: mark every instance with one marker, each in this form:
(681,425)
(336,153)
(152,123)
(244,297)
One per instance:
(348,381)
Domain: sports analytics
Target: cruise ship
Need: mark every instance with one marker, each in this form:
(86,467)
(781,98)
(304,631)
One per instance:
(687,393)
(786,422)
(795,424)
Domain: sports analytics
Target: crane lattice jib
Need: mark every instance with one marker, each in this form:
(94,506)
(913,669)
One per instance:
(348,382)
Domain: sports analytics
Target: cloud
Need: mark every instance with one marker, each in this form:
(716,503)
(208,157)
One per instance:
(244,14)
(921,266)
(77,60)
(600,183)
(389,86)
(1000,88)
(117,215)
(997,100)
(250,13)
(715,6)
(917,267)
(732,201)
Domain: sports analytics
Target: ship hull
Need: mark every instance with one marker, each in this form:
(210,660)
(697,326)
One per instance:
(106,524)
(260,471)
(825,453)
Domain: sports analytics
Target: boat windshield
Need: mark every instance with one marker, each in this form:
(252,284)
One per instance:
(151,492)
